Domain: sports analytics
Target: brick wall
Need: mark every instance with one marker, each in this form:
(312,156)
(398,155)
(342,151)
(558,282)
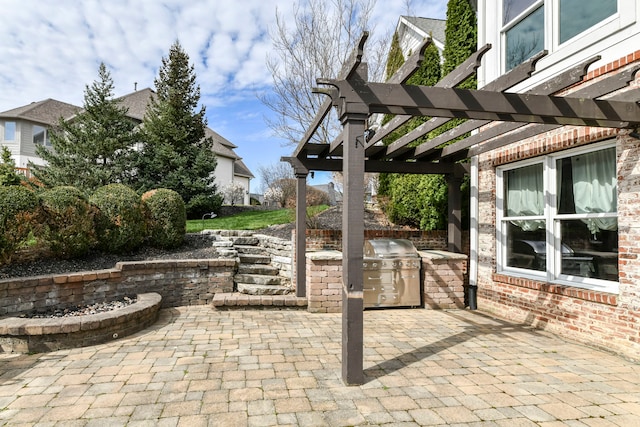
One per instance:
(443,276)
(324,282)
(179,282)
(601,319)
(443,279)
(318,240)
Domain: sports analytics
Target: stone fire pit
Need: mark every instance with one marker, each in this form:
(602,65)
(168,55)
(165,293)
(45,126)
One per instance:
(34,335)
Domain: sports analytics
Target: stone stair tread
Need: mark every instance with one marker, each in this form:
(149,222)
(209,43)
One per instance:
(257,289)
(251,250)
(258,279)
(245,241)
(264,269)
(254,259)
(222,300)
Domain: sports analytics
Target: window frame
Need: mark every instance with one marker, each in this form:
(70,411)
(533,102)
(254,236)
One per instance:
(625,16)
(552,272)
(45,142)
(4,130)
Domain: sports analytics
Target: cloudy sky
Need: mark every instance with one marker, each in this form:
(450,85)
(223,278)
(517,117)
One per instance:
(52,49)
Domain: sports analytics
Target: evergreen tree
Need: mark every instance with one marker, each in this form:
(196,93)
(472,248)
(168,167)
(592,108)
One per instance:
(93,148)
(176,154)
(461,37)
(8,175)
(395,59)
(416,200)
(421,201)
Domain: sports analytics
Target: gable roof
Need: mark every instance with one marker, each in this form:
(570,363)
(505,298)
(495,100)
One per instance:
(427,26)
(47,112)
(137,102)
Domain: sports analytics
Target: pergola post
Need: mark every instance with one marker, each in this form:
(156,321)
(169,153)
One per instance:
(454,227)
(354,125)
(301,231)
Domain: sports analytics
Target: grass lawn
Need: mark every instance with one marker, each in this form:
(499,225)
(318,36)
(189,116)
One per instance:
(250,220)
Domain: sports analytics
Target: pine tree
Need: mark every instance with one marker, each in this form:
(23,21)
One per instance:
(8,175)
(93,148)
(176,153)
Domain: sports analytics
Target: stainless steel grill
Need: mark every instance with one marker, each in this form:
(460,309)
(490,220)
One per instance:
(391,270)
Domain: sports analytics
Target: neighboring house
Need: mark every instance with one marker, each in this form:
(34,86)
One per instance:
(555,231)
(412,31)
(24,128)
(335,197)
(21,129)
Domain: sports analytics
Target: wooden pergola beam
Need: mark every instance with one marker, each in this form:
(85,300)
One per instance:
(554,85)
(378,166)
(456,77)
(604,87)
(486,105)
(504,82)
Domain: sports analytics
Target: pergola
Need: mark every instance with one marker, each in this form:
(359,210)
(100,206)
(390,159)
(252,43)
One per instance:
(511,116)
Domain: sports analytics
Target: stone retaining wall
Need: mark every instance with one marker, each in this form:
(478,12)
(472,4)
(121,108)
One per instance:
(281,252)
(179,282)
(25,335)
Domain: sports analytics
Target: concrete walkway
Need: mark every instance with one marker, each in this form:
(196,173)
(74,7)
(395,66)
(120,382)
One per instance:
(201,367)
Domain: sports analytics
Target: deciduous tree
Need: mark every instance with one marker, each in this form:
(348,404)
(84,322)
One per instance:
(316,43)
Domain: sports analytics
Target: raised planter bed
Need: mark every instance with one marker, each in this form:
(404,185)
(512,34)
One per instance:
(28,335)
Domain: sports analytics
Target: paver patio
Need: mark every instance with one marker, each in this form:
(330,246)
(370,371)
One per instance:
(201,367)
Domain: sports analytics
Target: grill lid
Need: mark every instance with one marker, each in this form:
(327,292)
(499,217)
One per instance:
(389,248)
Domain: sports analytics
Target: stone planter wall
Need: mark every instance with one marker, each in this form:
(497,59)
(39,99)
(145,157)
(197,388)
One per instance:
(24,335)
(179,282)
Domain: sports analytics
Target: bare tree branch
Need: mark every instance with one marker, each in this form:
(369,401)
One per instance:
(315,44)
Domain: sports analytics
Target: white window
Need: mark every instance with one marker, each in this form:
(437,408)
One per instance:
(557,218)
(9,131)
(40,136)
(530,26)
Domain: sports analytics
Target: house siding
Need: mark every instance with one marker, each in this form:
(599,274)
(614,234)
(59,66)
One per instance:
(606,320)
(224,172)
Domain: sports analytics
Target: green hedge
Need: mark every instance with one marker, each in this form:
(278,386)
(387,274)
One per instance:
(120,225)
(69,228)
(166,218)
(19,219)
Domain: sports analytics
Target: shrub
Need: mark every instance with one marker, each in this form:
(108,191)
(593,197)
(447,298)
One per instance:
(166,218)
(418,201)
(119,222)
(8,175)
(69,229)
(201,204)
(19,218)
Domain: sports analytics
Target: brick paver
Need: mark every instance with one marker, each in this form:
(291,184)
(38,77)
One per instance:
(201,367)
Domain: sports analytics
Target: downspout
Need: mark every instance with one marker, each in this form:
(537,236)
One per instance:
(473,237)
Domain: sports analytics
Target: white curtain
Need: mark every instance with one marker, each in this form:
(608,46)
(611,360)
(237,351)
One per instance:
(594,187)
(525,196)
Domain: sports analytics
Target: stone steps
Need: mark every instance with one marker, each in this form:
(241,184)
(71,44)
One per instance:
(256,289)
(231,300)
(263,269)
(256,275)
(254,259)
(250,250)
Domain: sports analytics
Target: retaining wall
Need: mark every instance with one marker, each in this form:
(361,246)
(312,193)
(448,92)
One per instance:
(179,282)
